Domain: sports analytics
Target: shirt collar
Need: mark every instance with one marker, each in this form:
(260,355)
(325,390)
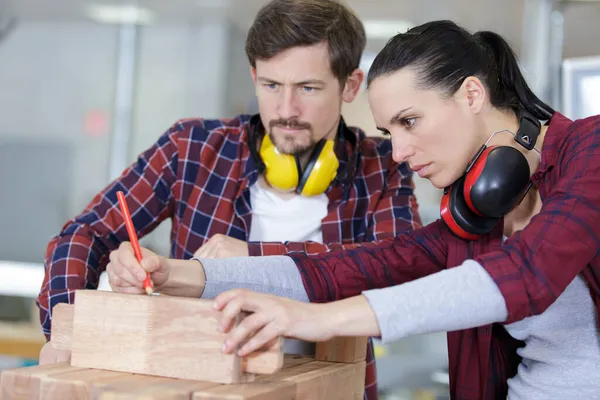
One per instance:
(557,125)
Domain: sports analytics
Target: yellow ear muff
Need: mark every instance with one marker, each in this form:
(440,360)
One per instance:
(320,170)
(281,169)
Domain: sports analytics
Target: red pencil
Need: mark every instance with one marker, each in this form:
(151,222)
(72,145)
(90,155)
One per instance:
(133,238)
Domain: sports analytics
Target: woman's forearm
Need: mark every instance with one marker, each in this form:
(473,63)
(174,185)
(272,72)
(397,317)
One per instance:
(276,275)
(353,316)
(457,298)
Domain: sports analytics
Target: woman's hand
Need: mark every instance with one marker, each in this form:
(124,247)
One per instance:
(271,317)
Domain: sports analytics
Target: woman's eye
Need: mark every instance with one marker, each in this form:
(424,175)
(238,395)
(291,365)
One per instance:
(408,122)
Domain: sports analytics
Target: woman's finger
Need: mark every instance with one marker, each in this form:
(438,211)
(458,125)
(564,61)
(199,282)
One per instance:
(244,331)
(266,335)
(224,298)
(230,313)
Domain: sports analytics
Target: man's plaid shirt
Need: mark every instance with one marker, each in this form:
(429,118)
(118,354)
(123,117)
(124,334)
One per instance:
(198,174)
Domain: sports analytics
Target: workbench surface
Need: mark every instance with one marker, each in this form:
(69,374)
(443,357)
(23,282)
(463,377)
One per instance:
(300,378)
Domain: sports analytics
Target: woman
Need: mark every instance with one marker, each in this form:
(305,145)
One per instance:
(517,288)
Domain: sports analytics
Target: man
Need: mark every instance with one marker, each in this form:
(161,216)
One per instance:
(232,186)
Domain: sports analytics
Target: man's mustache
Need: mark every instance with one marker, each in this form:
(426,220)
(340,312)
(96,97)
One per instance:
(289,123)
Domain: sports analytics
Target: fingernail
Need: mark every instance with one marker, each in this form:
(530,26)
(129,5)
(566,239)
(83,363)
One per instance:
(224,347)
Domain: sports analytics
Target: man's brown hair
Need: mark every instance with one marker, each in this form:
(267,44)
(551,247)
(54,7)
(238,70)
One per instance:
(283,24)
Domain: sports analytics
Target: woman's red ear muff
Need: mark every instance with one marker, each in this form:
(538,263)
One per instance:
(496,182)
(459,218)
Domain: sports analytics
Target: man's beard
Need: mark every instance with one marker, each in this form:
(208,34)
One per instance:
(287,144)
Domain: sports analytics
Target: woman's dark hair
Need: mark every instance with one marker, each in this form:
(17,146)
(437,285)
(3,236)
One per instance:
(444,55)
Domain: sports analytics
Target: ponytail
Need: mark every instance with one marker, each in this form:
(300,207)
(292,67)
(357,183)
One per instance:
(512,89)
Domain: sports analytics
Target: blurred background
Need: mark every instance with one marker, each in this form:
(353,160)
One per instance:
(86,85)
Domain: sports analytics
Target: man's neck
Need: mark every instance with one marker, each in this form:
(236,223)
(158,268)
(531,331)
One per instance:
(262,182)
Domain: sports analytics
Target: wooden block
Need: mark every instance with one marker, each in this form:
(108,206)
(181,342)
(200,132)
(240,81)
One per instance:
(264,361)
(342,349)
(156,335)
(25,383)
(62,326)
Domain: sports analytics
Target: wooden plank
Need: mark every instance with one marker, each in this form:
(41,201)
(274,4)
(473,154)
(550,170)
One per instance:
(264,361)
(174,389)
(309,381)
(76,385)
(157,389)
(342,349)
(291,360)
(333,381)
(263,390)
(62,326)
(156,335)
(126,387)
(25,383)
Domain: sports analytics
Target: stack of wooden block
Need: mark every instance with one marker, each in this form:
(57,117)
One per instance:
(161,347)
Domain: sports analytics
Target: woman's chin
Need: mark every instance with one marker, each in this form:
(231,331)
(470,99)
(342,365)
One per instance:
(439,182)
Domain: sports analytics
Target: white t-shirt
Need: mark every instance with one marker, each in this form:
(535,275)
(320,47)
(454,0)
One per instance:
(283,217)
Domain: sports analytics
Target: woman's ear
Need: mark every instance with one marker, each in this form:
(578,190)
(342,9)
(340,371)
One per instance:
(474,93)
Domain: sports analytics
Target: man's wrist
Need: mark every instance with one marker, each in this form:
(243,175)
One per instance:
(186,279)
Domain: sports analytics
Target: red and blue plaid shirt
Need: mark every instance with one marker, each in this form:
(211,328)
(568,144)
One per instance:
(531,269)
(198,174)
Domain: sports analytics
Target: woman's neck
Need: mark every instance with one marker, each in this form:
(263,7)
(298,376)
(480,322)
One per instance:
(498,120)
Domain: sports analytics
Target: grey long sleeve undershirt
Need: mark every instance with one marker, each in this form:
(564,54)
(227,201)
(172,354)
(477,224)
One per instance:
(458,298)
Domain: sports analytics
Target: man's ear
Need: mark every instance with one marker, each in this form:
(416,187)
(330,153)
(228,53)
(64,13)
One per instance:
(352,86)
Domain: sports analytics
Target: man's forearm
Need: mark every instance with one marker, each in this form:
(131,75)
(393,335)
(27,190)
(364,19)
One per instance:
(186,279)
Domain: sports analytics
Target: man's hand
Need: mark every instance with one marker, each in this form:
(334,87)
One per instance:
(126,274)
(222,246)
(51,355)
